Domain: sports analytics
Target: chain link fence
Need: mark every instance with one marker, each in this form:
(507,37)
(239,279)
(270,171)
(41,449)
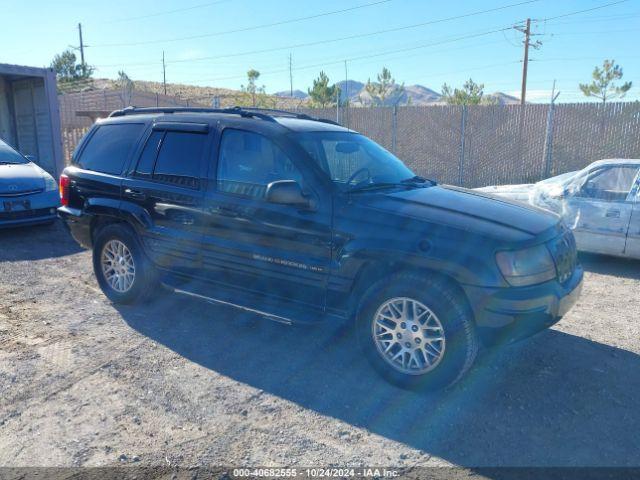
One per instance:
(477,145)
(470,146)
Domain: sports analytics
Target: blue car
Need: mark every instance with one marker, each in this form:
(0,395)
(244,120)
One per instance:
(28,194)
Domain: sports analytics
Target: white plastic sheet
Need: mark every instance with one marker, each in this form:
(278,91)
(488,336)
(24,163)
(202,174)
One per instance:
(599,203)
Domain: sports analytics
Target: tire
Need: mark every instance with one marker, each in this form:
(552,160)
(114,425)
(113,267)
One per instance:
(137,287)
(442,311)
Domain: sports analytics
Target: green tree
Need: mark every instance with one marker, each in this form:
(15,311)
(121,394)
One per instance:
(251,94)
(471,93)
(322,95)
(67,69)
(385,90)
(603,85)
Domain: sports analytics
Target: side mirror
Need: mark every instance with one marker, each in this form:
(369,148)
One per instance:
(287,192)
(31,158)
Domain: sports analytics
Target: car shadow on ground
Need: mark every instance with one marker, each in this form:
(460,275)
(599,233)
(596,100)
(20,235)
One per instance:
(608,265)
(556,399)
(36,242)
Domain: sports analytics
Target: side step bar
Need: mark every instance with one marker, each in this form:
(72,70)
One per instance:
(267,315)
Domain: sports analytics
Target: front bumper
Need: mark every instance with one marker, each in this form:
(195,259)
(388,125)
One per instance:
(41,208)
(505,315)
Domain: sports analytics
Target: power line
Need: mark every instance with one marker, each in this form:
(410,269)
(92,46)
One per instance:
(376,55)
(339,39)
(246,29)
(581,11)
(603,18)
(600,32)
(166,12)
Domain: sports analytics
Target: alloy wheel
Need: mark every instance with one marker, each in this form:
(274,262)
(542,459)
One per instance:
(408,336)
(118,267)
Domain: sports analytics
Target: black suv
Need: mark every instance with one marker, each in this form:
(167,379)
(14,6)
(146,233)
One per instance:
(302,220)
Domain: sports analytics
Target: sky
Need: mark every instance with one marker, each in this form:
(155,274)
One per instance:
(426,42)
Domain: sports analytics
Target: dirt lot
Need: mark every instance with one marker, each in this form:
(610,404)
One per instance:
(83,382)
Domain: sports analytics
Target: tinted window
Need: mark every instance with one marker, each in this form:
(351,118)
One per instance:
(149,154)
(9,155)
(350,157)
(180,159)
(109,147)
(249,162)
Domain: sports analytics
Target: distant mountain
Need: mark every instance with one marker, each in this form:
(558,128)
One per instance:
(419,95)
(350,87)
(411,95)
(299,94)
(504,99)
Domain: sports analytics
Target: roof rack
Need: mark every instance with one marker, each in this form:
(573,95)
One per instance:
(287,113)
(267,114)
(151,110)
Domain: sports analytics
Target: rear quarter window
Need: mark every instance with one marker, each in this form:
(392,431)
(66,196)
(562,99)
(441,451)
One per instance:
(109,147)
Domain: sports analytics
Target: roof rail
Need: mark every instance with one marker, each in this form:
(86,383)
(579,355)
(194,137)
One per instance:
(267,114)
(151,110)
(287,113)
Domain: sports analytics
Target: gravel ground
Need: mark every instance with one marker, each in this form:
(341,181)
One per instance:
(183,382)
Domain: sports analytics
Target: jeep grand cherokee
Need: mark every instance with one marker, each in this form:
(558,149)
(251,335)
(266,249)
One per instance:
(301,220)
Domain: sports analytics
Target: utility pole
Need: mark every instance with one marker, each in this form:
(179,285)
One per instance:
(291,75)
(84,68)
(525,62)
(548,138)
(346,92)
(164,74)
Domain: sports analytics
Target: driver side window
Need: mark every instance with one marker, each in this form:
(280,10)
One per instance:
(609,184)
(248,162)
(344,162)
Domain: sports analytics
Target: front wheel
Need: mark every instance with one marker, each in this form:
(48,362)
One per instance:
(417,333)
(124,273)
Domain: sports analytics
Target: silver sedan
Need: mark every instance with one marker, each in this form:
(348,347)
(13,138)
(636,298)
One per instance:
(600,203)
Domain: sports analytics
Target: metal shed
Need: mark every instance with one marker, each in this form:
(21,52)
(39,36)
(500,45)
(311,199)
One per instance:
(29,116)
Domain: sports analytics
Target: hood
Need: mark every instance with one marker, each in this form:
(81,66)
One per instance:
(468,209)
(19,178)
(522,192)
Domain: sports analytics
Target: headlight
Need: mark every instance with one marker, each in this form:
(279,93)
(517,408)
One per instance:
(49,183)
(526,267)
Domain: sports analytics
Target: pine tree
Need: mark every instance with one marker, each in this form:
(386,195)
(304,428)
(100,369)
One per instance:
(604,84)
(322,95)
(471,93)
(384,90)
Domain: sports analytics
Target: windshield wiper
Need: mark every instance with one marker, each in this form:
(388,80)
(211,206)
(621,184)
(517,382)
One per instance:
(419,179)
(377,186)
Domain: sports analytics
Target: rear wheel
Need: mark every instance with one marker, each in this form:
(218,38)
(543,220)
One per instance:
(417,333)
(124,273)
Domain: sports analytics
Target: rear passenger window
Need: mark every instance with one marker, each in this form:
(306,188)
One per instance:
(180,159)
(109,147)
(149,154)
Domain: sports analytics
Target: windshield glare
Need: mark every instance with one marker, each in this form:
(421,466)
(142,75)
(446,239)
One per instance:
(9,155)
(352,159)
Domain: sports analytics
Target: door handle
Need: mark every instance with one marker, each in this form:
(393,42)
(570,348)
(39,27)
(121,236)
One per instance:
(613,213)
(137,194)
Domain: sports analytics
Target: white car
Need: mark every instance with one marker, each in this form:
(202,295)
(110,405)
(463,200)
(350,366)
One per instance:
(600,203)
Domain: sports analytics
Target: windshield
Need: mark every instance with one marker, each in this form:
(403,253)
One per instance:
(561,179)
(351,159)
(9,156)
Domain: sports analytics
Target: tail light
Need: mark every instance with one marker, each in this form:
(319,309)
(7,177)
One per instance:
(64,190)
